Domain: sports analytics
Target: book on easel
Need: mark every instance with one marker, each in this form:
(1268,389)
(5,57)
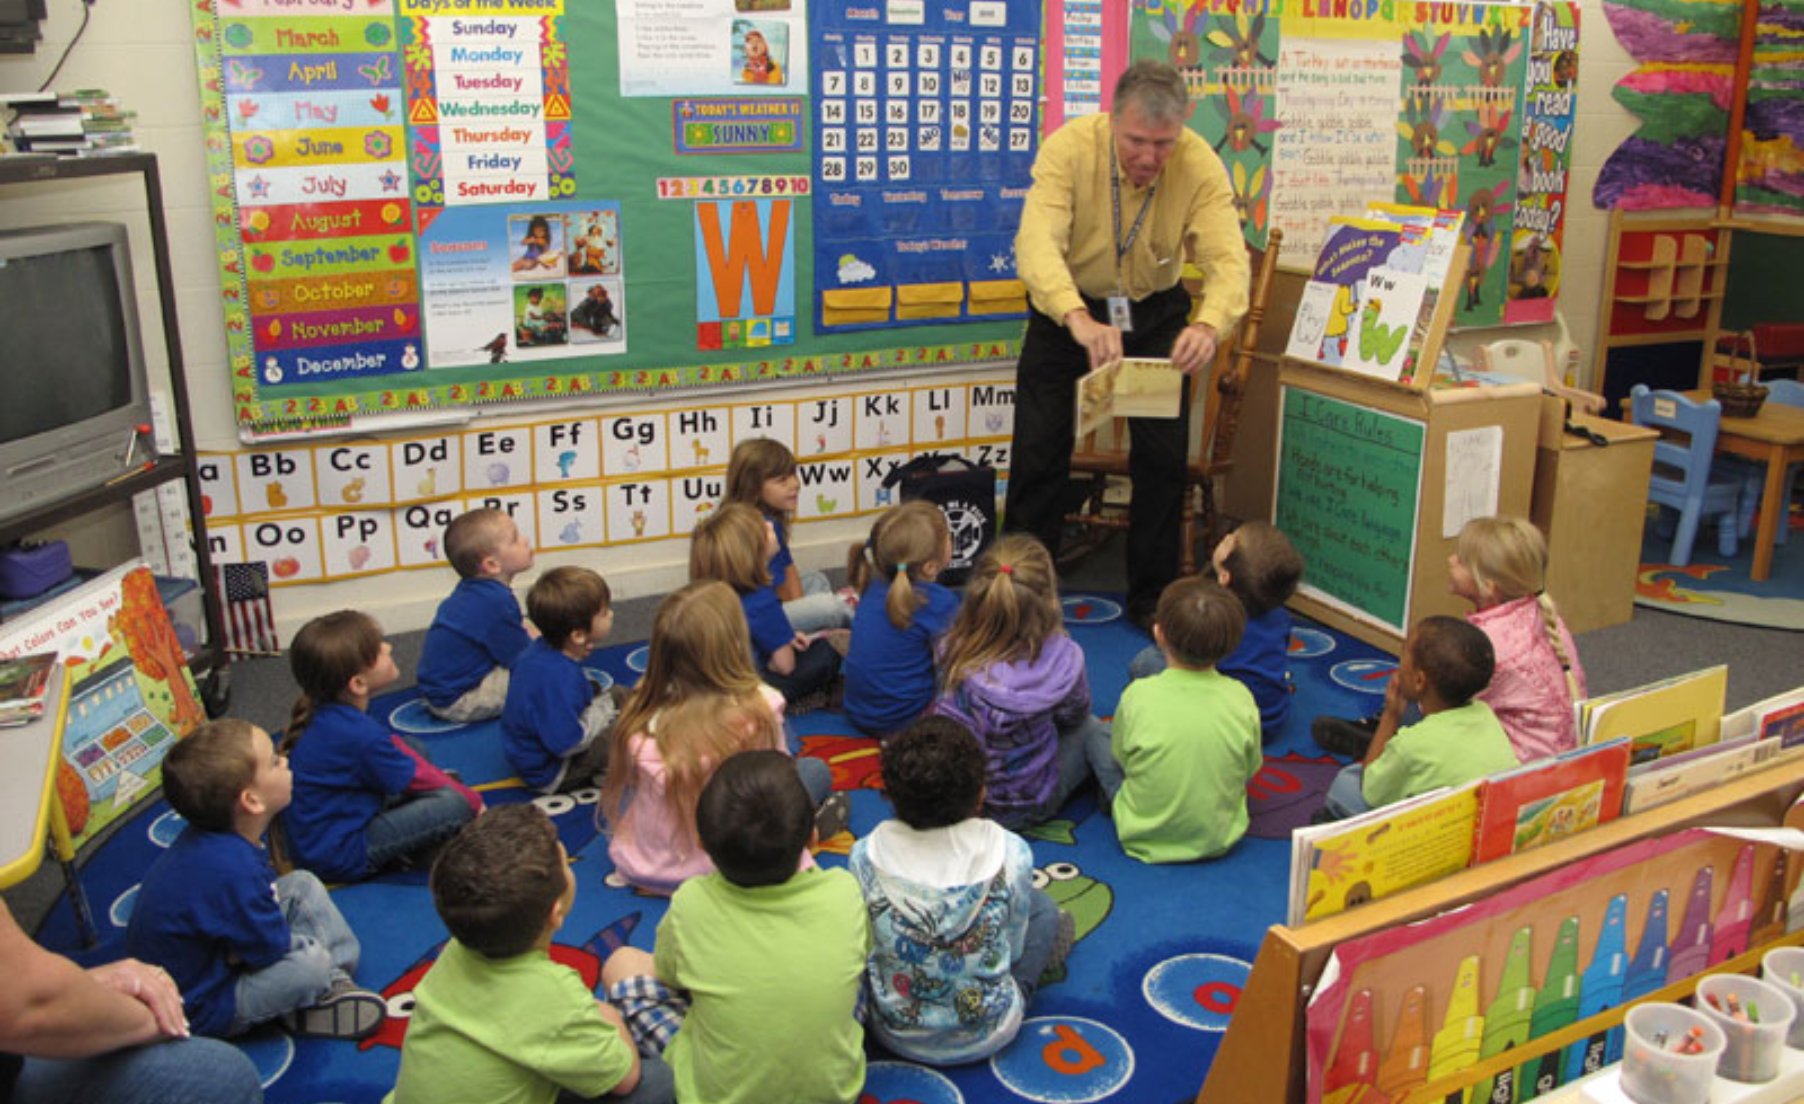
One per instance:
(1373,303)
(1131,387)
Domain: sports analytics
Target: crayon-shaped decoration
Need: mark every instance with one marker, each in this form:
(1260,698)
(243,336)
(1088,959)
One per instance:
(1769,915)
(1455,1045)
(1509,1014)
(1647,970)
(1556,1006)
(1602,987)
(1691,948)
(1736,918)
(1353,1071)
(1405,1064)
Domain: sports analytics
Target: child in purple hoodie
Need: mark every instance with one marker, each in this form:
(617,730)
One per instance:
(1014,678)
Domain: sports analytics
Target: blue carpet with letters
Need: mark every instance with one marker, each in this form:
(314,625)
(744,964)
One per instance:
(1162,954)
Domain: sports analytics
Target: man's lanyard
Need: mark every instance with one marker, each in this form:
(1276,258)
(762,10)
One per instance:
(1123,245)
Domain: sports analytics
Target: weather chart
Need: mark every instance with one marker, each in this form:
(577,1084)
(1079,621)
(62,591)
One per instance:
(925,129)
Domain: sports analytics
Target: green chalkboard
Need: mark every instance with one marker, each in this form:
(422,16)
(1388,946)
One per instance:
(1347,490)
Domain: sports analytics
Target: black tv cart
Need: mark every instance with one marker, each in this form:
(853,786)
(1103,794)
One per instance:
(210,663)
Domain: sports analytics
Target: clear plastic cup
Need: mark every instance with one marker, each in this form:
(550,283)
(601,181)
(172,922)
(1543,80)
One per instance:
(1653,1069)
(1756,1042)
(1783,969)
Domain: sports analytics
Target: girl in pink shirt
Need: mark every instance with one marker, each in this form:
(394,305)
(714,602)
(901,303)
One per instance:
(699,702)
(1499,564)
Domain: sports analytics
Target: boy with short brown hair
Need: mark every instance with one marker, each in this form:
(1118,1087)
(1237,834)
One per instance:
(477,632)
(496,1018)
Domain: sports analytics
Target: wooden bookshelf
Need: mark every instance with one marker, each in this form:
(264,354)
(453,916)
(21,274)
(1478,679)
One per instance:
(1261,1057)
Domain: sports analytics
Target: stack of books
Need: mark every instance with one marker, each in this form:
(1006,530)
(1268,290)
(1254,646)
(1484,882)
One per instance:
(22,684)
(83,123)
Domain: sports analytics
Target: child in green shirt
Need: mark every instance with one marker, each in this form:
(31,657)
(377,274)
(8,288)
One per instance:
(1446,662)
(753,991)
(1185,742)
(496,1021)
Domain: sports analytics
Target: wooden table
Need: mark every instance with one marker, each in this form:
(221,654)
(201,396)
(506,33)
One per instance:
(1775,436)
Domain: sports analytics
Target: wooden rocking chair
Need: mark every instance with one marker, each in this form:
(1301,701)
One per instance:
(1214,454)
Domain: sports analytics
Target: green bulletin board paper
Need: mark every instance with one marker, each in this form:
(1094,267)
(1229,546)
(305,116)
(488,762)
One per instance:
(1347,496)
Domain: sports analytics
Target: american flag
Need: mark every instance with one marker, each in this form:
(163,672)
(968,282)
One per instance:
(250,621)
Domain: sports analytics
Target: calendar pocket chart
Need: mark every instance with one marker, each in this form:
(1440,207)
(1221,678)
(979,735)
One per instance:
(925,133)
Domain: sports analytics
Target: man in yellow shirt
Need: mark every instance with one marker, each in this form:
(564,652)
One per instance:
(1118,204)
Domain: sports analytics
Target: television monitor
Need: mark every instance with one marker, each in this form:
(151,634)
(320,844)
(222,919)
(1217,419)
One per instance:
(71,359)
(19,19)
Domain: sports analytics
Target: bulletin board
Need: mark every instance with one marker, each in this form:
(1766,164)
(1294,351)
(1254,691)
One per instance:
(351,509)
(1319,107)
(441,203)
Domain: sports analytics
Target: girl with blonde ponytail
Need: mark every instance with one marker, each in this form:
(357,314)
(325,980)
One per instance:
(1499,564)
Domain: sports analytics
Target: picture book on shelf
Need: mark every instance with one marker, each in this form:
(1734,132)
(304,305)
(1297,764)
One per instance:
(1781,718)
(1662,780)
(1131,387)
(1334,867)
(1660,719)
(23,681)
(1550,799)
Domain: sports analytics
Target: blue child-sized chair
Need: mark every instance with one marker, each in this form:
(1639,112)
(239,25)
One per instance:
(1791,393)
(1686,476)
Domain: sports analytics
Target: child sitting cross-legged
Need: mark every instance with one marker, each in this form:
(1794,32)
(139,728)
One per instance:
(902,613)
(1011,674)
(699,702)
(243,945)
(557,724)
(496,1018)
(1445,664)
(959,933)
(1260,567)
(1185,742)
(753,989)
(365,798)
(477,632)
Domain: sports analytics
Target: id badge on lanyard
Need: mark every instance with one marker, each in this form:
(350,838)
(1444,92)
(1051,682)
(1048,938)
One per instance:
(1121,313)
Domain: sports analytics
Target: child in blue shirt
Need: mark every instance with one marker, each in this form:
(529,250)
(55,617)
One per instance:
(556,724)
(1258,564)
(733,545)
(762,473)
(363,798)
(902,612)
(243,945)
(477,631)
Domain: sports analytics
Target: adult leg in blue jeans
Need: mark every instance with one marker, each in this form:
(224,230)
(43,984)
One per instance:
(180,1071)
(414,825)
(324,950)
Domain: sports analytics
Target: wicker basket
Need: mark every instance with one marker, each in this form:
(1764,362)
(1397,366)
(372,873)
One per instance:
(1740,395)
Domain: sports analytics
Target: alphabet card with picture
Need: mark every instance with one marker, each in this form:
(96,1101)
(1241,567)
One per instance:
(1379,332)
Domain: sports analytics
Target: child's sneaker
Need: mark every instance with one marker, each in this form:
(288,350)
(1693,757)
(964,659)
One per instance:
(834,816)
(848,596)
(1342,737)
(345,1012)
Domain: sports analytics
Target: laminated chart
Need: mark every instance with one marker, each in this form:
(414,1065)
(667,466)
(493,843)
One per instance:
(313,103)
(925,134)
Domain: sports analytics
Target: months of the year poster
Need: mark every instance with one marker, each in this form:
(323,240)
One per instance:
(925,136)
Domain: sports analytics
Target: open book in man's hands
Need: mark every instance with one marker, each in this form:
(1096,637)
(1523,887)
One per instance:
(1132,387)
